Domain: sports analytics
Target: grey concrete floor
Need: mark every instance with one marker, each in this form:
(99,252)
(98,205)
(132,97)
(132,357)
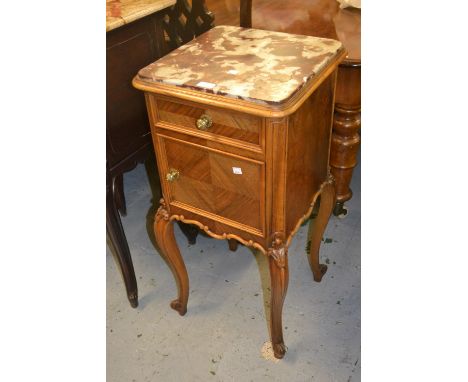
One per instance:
(221,336)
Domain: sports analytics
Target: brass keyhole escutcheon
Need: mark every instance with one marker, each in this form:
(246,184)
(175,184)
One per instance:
(172,175)
(204,122)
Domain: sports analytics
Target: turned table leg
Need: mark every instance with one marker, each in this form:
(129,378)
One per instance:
(345,134)
(279,274)
(164,232)
(119,242)
(317,228)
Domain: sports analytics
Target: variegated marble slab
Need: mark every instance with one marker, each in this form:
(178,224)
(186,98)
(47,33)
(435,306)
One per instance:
(121,12)
(250,64)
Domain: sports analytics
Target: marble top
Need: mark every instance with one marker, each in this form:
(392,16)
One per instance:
(250,64)
(121,12)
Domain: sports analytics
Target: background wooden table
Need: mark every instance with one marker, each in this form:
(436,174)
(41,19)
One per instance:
(138,33)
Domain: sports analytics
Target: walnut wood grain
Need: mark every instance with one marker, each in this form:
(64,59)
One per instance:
(264,207)
(207,182)
(237,126)
(309,135)
(219,143)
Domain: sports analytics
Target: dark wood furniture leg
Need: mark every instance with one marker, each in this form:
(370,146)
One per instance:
(190,232)
(345,135)
(233,244)
(317,228)
(119,195)
(279,275)
(245,16)
(164,232)
(117,237)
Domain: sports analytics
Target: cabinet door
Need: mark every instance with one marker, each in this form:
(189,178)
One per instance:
(221,186)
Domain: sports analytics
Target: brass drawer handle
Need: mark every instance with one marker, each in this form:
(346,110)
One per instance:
(204,122)
(172,175)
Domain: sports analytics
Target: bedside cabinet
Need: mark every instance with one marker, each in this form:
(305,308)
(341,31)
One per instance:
(241,123)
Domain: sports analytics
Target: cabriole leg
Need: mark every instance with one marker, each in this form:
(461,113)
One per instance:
(164,232)
(279,274)
(317,228)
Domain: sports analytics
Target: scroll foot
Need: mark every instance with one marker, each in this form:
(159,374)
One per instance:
(177,305)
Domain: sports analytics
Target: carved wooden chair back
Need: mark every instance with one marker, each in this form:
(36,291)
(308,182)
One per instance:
(245,19)
(184,21)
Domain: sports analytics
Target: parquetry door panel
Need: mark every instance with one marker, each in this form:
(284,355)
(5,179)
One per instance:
(213,182)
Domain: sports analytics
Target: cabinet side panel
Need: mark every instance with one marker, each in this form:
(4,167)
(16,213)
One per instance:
(309,134)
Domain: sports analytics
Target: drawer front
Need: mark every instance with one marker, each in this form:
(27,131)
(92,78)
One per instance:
(231,125)
(224,187)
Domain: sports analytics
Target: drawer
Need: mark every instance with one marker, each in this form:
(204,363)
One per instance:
(221,186)
(234,126)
